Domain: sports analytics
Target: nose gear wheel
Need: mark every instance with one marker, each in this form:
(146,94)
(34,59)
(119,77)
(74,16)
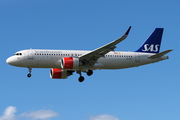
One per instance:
(29,75)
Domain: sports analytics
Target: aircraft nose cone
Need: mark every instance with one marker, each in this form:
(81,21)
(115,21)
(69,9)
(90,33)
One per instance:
(9,61)
(12,61)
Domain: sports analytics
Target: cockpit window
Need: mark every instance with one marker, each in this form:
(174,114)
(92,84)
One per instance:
(18,53)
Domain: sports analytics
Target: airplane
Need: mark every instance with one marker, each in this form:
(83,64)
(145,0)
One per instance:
(63,63)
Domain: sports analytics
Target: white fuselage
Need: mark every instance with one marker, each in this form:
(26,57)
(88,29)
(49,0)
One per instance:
(64,62)
(37,58)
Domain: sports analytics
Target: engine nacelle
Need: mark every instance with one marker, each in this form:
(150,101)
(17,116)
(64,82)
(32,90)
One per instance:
(70,63)
(59,73)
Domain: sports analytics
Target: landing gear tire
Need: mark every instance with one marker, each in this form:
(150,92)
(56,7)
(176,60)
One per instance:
(30,69)
(29,75)
(90,72)
(81,79)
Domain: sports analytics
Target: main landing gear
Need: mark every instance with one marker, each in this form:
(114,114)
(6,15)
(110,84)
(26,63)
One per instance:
(29,75)
(89,72)
(81,78)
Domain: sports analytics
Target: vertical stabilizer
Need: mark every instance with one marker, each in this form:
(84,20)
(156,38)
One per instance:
(153,43)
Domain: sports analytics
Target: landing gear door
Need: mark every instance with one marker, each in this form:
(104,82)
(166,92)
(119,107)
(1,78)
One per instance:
(137,57)
(30,54)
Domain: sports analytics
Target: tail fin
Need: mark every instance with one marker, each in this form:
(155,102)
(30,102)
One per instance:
(153,43)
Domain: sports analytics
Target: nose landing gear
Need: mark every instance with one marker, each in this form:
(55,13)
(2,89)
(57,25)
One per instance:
(29,75)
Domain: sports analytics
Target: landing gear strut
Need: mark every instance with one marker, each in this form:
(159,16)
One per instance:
(29,75)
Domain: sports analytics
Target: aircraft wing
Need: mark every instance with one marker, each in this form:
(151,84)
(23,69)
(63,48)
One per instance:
(91,57)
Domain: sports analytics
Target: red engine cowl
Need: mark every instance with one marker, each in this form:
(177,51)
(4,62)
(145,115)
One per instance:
(58,73)
(70,63)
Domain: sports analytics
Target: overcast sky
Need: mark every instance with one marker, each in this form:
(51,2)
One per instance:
(149,92)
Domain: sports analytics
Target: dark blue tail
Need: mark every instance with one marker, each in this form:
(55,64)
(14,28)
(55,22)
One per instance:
(153,43)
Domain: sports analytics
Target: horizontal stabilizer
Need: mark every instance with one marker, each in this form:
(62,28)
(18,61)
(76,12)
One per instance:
(158,55)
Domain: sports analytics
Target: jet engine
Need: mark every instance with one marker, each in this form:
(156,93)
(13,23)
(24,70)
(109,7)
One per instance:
(70,63)
(59,73)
